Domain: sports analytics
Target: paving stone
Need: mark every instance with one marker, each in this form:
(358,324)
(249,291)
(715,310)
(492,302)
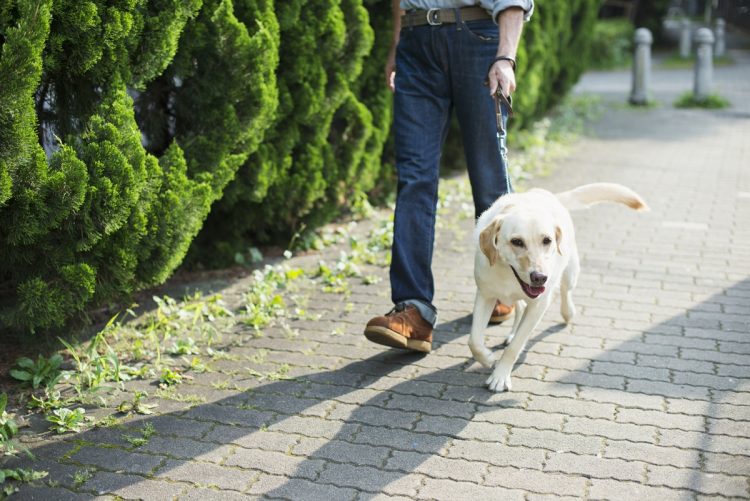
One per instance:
(595,466)
(696,480)
(401,439)
(572,407)
(207,475)
(198,494)
(652,454)
(39,492)
(313,427)
(226,414)
(449,489)
(374,416)
(555,441)
(251,438)
(496,454)
(186,448)
(133,487)
(275,486)
(611,489)
(358,454)
(275,463)
(661,419)
(373,480)
(437,467)
(117,460)
(610,429)
(536,481)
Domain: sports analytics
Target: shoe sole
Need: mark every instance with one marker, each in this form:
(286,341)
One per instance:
(387,337)
(498,319)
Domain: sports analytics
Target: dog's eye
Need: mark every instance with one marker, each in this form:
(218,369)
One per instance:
(517,242)
(547,241)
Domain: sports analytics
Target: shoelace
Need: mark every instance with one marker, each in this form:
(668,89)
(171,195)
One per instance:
(397,309)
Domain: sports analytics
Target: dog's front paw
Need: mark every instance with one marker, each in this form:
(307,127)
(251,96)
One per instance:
(568,310)
(499,381)
(482,355)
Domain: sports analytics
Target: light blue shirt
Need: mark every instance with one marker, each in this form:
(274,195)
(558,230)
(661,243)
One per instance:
(493,6)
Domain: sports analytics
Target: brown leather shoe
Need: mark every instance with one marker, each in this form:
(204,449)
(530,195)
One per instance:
(402,327)
(501,313)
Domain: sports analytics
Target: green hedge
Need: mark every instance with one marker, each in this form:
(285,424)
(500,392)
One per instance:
(122,124)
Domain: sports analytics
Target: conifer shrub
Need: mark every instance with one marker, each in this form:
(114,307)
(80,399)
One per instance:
(93,203)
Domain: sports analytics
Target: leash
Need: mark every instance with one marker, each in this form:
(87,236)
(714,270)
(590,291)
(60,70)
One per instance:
(499,98)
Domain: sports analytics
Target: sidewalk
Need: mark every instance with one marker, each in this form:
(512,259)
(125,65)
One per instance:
(645,396)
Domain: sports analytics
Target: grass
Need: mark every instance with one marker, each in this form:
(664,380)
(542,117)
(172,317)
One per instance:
(712,102)
(675,62)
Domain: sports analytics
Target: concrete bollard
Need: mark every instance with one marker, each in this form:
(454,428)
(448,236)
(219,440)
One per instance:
(720,42)
(641,67)
(685,38)
(704,65)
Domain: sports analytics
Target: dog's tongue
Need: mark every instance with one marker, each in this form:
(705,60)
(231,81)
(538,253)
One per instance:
(530,290)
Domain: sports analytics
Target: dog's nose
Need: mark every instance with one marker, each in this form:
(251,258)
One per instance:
(537,279)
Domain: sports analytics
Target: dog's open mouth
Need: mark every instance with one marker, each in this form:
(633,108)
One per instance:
(530,290)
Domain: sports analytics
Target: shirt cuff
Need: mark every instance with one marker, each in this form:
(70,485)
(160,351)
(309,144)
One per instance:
(501,5)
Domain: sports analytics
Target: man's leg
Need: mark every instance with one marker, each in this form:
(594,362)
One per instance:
(474,50)
(421,113)
(475,46)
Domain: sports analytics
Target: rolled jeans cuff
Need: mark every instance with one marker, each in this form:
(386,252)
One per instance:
(427,311)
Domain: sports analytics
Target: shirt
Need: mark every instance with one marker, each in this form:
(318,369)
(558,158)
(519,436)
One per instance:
(492,6)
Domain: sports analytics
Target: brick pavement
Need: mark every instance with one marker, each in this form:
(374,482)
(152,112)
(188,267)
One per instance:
(646,396)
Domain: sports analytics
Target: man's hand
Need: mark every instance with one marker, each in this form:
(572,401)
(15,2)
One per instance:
(502,75)
(390,69)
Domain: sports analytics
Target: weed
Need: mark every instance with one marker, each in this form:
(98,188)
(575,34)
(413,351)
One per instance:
(278,375)
(146,432)
(45,371)
(185,346)
(196,365)
(80,477)
(97,364)
(221,385)
(136,405)
(169,377)
(65,419)
(19,475)
(259,356)
(170,393)
(8,428)
(49,401)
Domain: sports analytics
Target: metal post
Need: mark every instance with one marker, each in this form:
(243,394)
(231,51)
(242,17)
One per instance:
(720,42)
(704,40)
(641,67)
(685,38)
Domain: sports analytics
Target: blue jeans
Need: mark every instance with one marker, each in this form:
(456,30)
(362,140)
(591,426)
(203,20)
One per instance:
(439,68)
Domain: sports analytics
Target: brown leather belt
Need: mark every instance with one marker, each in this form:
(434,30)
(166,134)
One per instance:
(436,17)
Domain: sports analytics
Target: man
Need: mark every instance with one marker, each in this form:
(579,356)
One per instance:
(443,54)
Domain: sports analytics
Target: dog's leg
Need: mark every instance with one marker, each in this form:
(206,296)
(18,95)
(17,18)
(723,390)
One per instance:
(568,283)
(520,308)
(482,312)
(500,378)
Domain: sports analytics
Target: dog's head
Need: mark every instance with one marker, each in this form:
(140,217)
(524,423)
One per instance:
(527,241)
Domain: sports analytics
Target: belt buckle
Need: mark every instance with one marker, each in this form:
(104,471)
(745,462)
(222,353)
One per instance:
(433,17)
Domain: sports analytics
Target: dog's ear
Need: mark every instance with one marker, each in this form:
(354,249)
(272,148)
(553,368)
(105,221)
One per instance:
(488,240)
(558,239)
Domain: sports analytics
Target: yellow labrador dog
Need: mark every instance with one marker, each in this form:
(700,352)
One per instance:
(526,249)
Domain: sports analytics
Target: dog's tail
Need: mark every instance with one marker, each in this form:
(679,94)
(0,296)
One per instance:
(587,195)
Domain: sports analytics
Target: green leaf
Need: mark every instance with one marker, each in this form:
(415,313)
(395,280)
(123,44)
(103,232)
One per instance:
(20,375)
(25,363)
(3,401)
